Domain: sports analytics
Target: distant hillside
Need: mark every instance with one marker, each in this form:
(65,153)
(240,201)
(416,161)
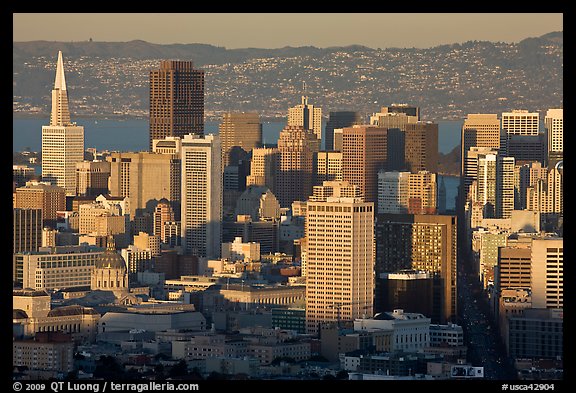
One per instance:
(201,53)
(108,79)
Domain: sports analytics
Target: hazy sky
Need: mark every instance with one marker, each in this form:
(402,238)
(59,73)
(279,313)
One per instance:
(276,30)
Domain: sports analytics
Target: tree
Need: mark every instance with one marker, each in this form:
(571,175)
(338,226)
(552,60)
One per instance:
(180,369)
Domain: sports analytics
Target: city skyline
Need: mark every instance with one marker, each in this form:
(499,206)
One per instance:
(293,262)
(275,30)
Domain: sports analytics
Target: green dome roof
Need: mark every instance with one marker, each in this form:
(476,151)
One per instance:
(110,259)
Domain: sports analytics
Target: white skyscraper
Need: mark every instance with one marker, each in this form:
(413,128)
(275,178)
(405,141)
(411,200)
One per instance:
(393,192)
(201,212)
(554,124)
(62,140)
(521,122)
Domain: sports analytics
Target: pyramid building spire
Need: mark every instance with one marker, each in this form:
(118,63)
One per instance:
(60,115)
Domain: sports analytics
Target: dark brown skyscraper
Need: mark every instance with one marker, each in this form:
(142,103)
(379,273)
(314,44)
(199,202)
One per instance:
(363,154)
(339,119)
(176,100)
(421,147)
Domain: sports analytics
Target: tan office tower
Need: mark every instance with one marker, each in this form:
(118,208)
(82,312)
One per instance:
(176,100)
(547,195)
(327,166)
(201,198)
(525,175)
(144,241)
(514,266)
(521,122)
(27,230)
(479,130)
(92,178)
(62,140)
(337,120)
(421,242)
(421,147)
(42,196)
(339,189)
(548,273)
(389,120)
(363,155)
(145,178)
(264,168)
(239,129)
(163,213)
(307,116)
(339,261)
(294,179)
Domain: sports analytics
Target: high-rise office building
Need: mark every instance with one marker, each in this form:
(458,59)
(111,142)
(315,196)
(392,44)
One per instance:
(527,147)
(521,122)
(163,213)
(393,192)
(554,128)
(307,116)
(470,166)
(421,242)
(294,179)
(266,233)
(145,178)
(525,175)
(547,195)
(363,155)
(327,166)
(259,203)
(264,168)
(339,260)
(339,119)
(421,147)
(479,130)
(62,140)
(239,129)
(505,187)
(49,198)
(514,266)
(397,120)
(27,230)
(396,146)
(338,132)
(521,137)
(408,290)
(337,189)
(92,178)
(413,111)
(168,145)
(547,271)
(176,100)
(201,198)
(405,192)
(495,185)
